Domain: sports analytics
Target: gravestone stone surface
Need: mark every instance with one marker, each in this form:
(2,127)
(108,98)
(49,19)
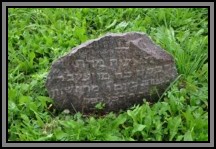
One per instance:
(119,70)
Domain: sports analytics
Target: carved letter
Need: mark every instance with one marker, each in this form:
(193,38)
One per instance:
(55,92)
(105,76)
(144,84)
(78,76)
(91,62)
(158,69)
(69,89)
(94,88)
(113,62)
(86,77)
(127,74)
(70,77)
(114,98)
(125,62)
(62,78)
(117,87)
(131,95)
(93,100)
(133,86)
(149,71)
(99,63)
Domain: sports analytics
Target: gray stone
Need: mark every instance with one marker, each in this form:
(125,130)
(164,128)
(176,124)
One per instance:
(119,70)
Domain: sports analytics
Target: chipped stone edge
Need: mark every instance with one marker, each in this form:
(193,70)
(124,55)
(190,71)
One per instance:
(87,43)
(75,49)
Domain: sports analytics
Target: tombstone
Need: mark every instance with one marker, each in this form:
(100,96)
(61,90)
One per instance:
(118,70)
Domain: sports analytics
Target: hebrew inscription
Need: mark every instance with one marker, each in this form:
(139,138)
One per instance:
(119,70)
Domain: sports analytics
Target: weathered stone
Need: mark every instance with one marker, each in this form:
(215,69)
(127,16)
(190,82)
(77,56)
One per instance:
(119,70)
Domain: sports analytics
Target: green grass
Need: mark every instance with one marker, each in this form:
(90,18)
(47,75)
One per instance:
(37,37)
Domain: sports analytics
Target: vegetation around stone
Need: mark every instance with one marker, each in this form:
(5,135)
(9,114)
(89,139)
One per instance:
(38,36)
